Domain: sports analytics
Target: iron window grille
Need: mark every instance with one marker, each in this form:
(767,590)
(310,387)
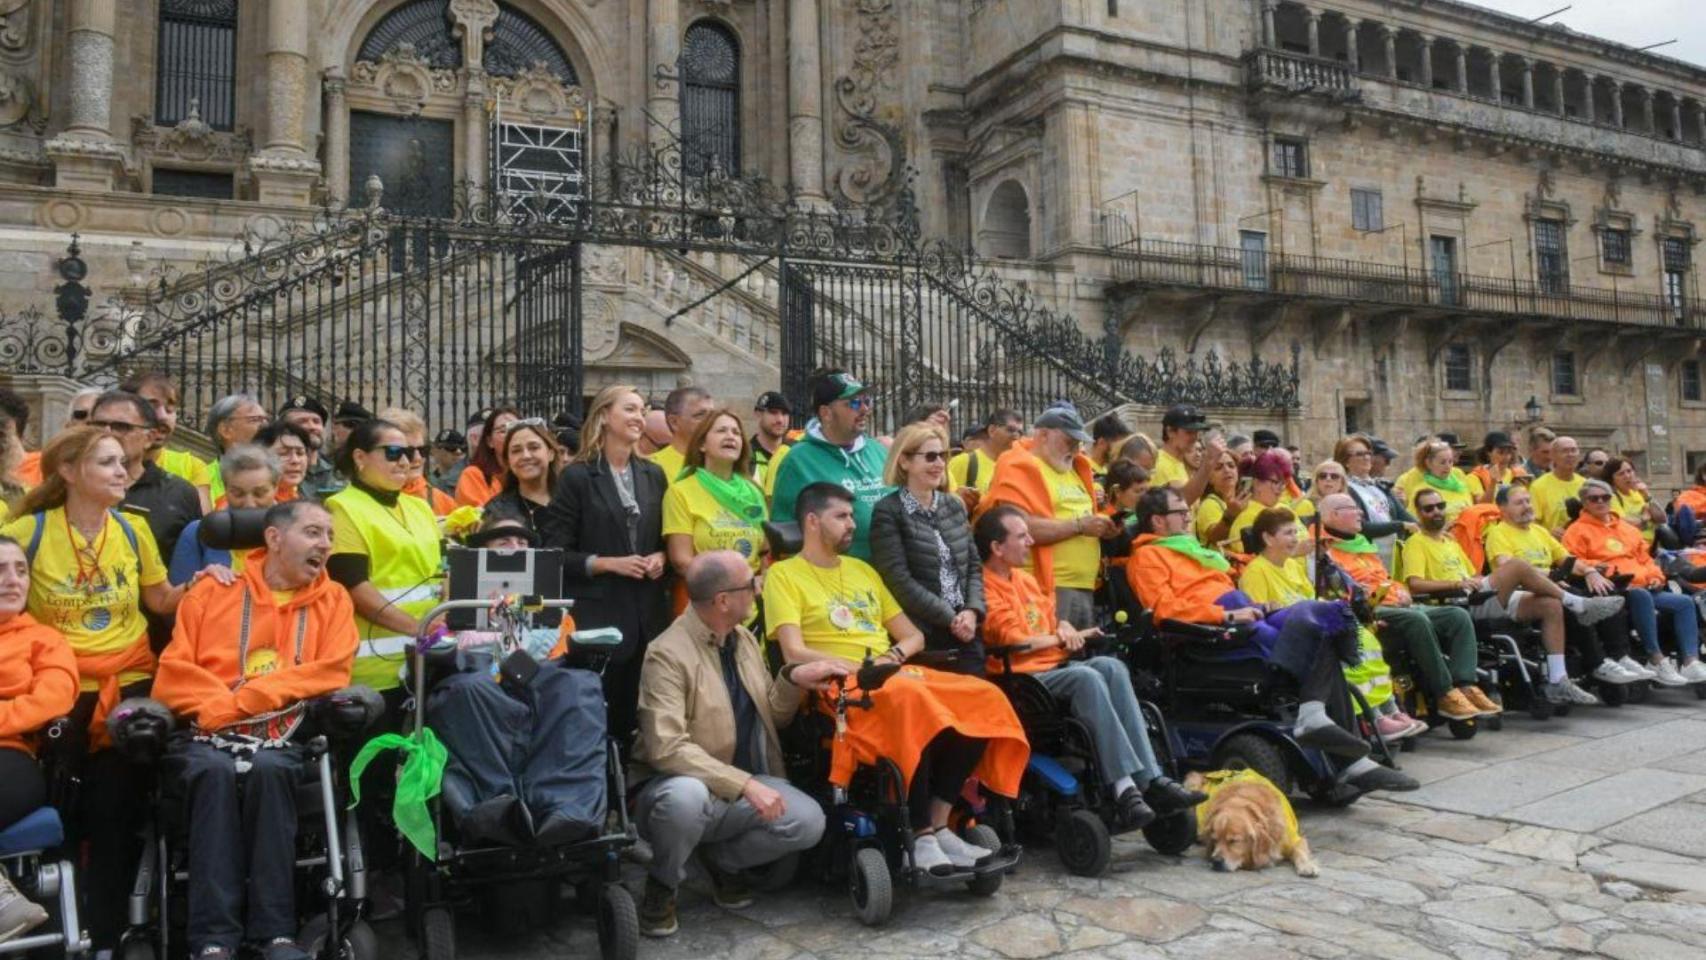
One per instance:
(710,100)
(1614,247)
(197,62)
(1290,158)
(1691,380)
(1459,372)
(1564,373)
(1550,264)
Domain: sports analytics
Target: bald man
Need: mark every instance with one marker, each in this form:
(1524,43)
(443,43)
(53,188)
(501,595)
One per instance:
(657,434)
(1557,485)
(708,715)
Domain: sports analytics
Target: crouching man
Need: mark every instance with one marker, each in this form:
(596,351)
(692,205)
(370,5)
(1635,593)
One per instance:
(243,660)
(708,715)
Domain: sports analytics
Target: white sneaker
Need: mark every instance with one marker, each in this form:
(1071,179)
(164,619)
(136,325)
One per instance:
(1566,691)
(1665,674)
(961,854)
(1595,609)
(927,855)
(1610,671)
(1694,672)
(18,914)
(1637,668)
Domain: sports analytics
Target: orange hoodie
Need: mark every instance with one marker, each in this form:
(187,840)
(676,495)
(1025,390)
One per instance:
(1019,481)
(437,499)
(1173,586)
(473,489)
(1694,498)
(200,676)
(38,680)
(1614,542)
(1018,610)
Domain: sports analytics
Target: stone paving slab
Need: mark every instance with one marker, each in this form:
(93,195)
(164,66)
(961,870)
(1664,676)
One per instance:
(1641,747)
(1677,827)
(1609,800)
(1493,790)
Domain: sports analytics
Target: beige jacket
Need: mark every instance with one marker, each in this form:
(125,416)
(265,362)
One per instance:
(687,724)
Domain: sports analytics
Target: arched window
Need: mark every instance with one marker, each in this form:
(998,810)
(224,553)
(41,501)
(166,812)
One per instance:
(710,99)
(197,62)
(1006,232)
(518,43)
(425,25)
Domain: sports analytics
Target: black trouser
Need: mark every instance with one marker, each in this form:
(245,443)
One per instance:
(942,771)
(379,838)
(1607,638)
(23,790)
(242,843)
(111,809)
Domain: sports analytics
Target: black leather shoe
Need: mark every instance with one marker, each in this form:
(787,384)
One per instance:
(1169,796)
(501,820)
(1335,740)
(1383,778)
(1133,813)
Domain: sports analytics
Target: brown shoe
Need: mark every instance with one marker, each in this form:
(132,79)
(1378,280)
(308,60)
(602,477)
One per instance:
(1482,702)
(1454,705)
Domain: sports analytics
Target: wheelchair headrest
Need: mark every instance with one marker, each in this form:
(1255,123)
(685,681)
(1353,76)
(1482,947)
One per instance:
(139,727)
(233,529)
(785,539)
(600,638)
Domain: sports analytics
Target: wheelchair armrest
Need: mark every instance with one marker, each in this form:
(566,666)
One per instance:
(785,539)
(1195,631)
(60,739)
(935,659)
(347,713)
(140,727)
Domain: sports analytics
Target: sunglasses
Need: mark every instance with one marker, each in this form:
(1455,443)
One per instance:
(859,404)
(1332,476)
(1597,498)
(397,451)
(538,422)
(119,427)
(1431,508)
(930,456)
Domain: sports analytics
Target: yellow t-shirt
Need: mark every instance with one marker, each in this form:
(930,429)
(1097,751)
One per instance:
(1209,511)
(1535,546)
(1278,584)
(1549,494)
(771,471)
(688,508)
(1632,506)
(840,611)
(1252,510)
(1169,470)
(182,463)
(1077,560)
(1431,559)
(97,604)
(1410,481)
(960,466)
(672,462)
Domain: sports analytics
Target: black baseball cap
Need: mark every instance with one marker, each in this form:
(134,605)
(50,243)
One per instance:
(835,385)
(1264,439)
(1382,449)
(1185,416)
(1066,420)
(1498,440)
(351,412)
(450,440)
(306,404)
(478,417)
(773,400)
(1451,440)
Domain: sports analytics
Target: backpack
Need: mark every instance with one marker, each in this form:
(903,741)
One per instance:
(40,518)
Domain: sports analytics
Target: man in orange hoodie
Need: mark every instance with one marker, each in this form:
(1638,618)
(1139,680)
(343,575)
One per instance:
(1050,480)
(243,660)
(1177,578)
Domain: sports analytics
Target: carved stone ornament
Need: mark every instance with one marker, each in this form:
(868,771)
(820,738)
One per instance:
(14,25)
(868,127)
(191,140)
(538,95)
(403,78)
(474,20)
(17,98)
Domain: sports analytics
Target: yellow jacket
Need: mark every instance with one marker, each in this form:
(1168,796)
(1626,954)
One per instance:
(1216,780)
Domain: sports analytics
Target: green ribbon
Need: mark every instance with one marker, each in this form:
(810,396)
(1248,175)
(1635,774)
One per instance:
(1449,482)
(1356,544)
(1186,544)
(738,495)
(421,777)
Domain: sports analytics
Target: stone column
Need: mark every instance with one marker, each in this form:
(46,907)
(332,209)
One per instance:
(1588,81)
(1352,55)
(1462,81)
(1700,120)
(283,172)
(1389,39)
(603,136)
(1647,110)
(1313,19)
(1428,62)
(1498,76)
(85,156)
(336,122)
(805,101)
(1676,117)
(475,129)
(1617,104)
(663,50)
(1270,38)
(1528,83)
(1558,89)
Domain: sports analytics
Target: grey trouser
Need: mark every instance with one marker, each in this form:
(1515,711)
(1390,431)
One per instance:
(1098,692)
(1077,607)
(678,814)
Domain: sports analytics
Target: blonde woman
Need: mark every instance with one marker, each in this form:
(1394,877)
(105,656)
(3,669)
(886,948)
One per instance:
(415,439)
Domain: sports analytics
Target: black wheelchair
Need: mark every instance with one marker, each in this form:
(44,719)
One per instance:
(31,853)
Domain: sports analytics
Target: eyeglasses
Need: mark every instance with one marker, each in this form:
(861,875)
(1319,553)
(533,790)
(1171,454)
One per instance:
(397,451)
(1431,508)
(750,584)
(119,427)
(1597,498)
(930,456)
(255,418)
(1181,512)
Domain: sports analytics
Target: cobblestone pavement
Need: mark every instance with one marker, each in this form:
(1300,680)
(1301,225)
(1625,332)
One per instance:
(1582,836)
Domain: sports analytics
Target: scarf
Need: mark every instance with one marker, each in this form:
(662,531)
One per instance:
(738,495)
(421,777)
(1186,544)
(1449,483)
(1356,544)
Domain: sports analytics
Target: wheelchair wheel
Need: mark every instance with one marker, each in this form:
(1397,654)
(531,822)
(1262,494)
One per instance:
(1613,694)
(1173,834)
(438,934)
(1640,692)
(1081,839)
(1463,729)
(1540,708)
(872,887)
(618,923)
(359,940)
(984,884)
(1249,751)
(1700,691)
(137,948)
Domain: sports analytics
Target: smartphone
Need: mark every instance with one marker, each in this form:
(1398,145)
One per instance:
(1246,486)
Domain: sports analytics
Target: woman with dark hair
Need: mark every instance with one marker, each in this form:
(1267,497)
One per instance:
(294,450)
(606,515)
(531,455)
(385,550)
(481,480)
(1122,486)
(1629,497)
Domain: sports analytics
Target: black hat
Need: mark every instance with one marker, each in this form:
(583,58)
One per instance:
(503,527)
(304,403)
(1264,439)
(773,400)
(835,385)
(450,440)
(1185,416)
(1498,439)
(1450,440)
(478,417)
(1066,420)
(1382,449)
(351,412)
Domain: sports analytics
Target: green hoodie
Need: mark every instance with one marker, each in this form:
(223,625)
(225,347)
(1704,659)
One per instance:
(859,468)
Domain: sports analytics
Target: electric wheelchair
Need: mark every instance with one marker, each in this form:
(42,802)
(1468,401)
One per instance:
(31,853)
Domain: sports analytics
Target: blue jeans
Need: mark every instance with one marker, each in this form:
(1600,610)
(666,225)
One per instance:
(1098,692)
(1644,608)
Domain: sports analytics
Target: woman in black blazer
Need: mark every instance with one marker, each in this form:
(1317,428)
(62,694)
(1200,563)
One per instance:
(606,515)
(921,545)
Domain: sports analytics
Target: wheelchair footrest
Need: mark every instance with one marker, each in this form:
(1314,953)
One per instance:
(1002,861)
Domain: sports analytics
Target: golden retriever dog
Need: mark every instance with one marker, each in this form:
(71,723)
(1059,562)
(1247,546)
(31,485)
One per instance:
(1247,823)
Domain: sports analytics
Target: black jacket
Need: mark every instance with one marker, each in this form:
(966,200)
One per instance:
(903,549)
(1375,531)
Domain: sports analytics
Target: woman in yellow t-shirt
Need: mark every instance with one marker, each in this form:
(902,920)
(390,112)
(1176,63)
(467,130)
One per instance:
(715,505)
(1434,471)
(1221,503)
(1629,497)
(1270,476)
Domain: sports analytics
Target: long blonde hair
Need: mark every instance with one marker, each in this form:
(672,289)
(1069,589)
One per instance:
(908,441)
(598,418)
(70,446)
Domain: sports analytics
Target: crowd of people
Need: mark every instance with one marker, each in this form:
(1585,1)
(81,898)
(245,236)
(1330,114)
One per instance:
(1000,548)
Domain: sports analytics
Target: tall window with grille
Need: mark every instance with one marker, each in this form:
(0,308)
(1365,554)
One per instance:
(1691,380)
(1551,266)
(1564,374)
(710,100)
(197,62)
(1614,247)
(1676,263)
(1459,371)
(1290,158)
